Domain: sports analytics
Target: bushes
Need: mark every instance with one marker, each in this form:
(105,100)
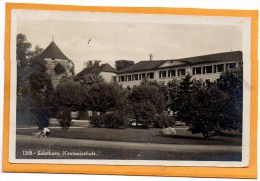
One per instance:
(109,120)
(64,118)
(164,120)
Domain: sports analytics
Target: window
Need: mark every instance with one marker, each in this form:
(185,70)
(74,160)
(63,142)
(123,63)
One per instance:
(171,73)
(181,72)
(240,64)
(196,70)
(220,68)
(162,74)
(207,69)
(135,76)
(121,78)
(142,76)
(150,75)
(129,78)
(231,65)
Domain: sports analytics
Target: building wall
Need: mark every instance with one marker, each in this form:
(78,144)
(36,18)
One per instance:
(204,76)
(108,76)
(51,64)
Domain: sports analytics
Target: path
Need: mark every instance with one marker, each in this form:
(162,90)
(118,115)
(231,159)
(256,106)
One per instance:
(126,145)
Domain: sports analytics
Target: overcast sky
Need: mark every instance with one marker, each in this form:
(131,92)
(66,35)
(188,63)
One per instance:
(128,36)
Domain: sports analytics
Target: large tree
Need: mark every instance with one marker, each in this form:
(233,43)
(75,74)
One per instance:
(183,101)
(147,101)
(103,97)
(231,83)
(207,113)
(122,64)
(40,90)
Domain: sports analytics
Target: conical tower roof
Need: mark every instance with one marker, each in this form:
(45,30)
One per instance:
(53,51)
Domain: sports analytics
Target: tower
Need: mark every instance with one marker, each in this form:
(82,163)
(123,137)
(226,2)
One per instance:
(58,64)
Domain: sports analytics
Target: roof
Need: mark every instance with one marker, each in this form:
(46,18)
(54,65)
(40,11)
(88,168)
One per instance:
(143,66)
(152,65)
(95,70)
(53,51)
(217,57)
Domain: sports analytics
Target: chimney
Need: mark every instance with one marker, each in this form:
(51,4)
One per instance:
(96,63)
(151,57)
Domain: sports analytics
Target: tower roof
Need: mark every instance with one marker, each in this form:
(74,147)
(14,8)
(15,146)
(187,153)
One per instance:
(53,51)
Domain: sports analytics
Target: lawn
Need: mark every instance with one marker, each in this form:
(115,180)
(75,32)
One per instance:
(151,135)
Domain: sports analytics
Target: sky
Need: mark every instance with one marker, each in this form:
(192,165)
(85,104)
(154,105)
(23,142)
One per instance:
(129,36)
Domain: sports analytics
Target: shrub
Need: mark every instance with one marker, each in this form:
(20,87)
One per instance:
(115,120)
(144,114)
(164,120)
(64,118)
(97,121)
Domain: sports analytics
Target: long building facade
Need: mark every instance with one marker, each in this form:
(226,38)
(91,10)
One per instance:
(207,68)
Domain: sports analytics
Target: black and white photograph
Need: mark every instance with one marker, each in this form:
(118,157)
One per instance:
(129,89)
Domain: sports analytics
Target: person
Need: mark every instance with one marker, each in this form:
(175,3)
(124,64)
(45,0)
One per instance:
(45,132)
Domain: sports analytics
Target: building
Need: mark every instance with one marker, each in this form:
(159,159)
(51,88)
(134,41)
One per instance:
(207,68)
(58,64)
(106,71)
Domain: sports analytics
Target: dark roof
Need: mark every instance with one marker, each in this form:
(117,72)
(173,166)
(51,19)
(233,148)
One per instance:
(217,57)
(95,70)
(151,65)
(143,66)
(53,51)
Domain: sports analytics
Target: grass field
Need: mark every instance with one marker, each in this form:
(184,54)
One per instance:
(141,136)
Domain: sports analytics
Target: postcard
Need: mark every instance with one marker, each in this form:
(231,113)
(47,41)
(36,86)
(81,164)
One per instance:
(133,91)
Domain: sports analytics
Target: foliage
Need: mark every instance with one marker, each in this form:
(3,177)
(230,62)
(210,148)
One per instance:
(164,120)
(68,95)
(122,64)
(148,93)
(231,83)
(23,52)
(208,110)
(40,90)
(115,120)
(91,79)
(64,118)
(59,69)
(173,93)
(103,97)
(97,121)
(184,99)
(144,113)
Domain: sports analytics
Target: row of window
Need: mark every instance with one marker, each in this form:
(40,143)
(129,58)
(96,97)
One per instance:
(213,68)
(209,69)
(134,77)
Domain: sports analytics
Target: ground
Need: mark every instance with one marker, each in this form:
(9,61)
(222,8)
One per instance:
(129,144)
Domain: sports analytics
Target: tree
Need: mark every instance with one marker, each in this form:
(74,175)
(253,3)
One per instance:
(207,111)
(40,90)
(23,55)
(23,52)
(122,64)
(183,101)
(103,97)
(173,93)
(147,101)
(91,79)
(68,95)
(231,83)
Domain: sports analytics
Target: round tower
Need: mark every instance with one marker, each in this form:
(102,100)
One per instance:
(58,64)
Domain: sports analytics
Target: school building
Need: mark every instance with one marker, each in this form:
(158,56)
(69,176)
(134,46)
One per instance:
(207,68)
